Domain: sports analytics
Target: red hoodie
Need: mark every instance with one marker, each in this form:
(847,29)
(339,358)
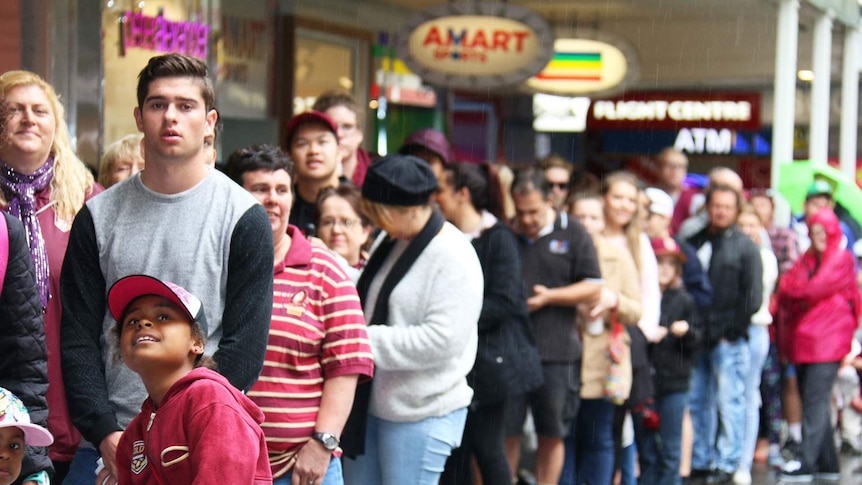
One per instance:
(205,432)
(818,300)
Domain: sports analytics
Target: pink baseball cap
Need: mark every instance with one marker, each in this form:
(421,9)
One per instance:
(127,289)
(14,414)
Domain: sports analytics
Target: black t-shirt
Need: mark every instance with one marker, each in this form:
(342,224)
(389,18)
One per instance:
(561,258)
(302,214)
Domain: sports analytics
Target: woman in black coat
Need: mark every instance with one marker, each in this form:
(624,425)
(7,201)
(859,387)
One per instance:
(507,363)
(23,355)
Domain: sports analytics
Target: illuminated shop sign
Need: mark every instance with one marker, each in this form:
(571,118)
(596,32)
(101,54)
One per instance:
(586,66)
(724,141)
(673,111)
(162,35)
(476,45)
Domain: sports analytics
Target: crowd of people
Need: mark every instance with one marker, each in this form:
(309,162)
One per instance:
(318,315)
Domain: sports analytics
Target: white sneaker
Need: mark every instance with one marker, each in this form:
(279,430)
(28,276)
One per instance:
(742,477)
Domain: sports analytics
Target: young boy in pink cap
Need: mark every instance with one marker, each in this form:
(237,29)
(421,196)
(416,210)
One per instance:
(194,422)
(16,432)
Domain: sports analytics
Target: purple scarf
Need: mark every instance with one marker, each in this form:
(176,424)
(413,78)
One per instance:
(20,190)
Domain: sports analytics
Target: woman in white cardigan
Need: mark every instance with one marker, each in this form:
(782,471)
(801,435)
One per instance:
(422,296)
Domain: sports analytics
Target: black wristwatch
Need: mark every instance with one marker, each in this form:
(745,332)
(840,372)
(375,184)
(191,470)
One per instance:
(328,440)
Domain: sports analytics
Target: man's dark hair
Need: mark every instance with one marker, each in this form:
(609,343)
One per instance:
(529,180)
(331,99)
(723,188)
(176,65)
(257,157)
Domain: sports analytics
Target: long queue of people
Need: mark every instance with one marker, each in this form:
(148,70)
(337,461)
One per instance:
(317,316)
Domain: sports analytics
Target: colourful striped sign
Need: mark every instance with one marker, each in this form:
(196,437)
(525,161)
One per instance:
(573,66)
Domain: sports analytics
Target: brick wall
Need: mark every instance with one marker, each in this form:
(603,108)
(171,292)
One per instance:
(10,41)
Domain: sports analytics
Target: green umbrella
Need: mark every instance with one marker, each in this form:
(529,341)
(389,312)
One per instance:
(795,178)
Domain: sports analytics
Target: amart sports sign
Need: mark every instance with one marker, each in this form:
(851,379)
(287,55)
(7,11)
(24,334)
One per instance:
(476,45)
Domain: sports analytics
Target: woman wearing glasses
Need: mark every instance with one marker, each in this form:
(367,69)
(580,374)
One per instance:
(342,227)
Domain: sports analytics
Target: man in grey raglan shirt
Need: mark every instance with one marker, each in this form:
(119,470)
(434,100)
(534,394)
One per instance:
(180,221)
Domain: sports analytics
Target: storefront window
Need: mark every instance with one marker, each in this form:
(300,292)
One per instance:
(328,62)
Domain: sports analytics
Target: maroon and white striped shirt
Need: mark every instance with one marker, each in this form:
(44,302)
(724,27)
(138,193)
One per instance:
(317,332)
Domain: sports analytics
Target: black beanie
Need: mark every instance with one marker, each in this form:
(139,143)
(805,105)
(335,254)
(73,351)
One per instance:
(401,180)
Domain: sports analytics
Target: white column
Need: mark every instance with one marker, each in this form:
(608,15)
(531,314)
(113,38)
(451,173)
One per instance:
(818,136)
(849,101)
(784,103)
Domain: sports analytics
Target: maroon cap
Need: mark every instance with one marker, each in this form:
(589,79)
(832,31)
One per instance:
(430,139)
(310,116)
(127,289)
(667,246)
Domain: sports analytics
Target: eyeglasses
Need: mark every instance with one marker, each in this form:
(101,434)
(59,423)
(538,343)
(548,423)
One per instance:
(558,185)
(345,223)
(346,128)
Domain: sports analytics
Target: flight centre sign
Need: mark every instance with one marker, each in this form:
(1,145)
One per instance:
(476,45)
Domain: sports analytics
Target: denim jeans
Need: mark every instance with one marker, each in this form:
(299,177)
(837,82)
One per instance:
(414,453)
(82,470)
(590,445)
(662,448)
(333,475)
(758,348)
(718,384)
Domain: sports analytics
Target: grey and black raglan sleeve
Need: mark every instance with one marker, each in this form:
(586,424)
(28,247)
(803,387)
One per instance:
(82,288)
(248,300)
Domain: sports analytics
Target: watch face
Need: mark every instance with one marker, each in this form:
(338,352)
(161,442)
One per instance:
(330,442)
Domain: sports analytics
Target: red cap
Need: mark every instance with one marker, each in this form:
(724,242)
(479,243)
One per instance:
(127,289)
(667,246)
(310,116)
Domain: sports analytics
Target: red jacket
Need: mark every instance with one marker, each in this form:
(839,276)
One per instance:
(205,432)
(818,300)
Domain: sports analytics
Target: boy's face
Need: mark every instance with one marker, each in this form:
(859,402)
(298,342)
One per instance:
(174,119)
(11,454)
(156,333)
(668,270)
(314,149)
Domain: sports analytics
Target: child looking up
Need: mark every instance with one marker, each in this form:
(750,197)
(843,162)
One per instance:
(194,427)
(16,432)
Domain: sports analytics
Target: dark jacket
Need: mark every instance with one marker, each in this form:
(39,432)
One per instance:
(694,278)
(23,355)
(735,271)
(507,363)
(672,357)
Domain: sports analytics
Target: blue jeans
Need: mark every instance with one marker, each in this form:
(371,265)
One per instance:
(590,445)
(333,475)
(662,447)
(628,456)
(82,470)
(758,348)
(718,384)
(413,453)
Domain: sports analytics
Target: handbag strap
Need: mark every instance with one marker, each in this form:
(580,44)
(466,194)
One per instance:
(4,250)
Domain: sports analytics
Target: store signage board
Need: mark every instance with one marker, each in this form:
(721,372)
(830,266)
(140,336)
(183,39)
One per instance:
(476,45)
(670,110)
(560,113)
(163,35)
(585,66)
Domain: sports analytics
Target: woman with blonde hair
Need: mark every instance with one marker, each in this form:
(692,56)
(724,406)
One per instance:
(44,185)
(121,160)
(621,195)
